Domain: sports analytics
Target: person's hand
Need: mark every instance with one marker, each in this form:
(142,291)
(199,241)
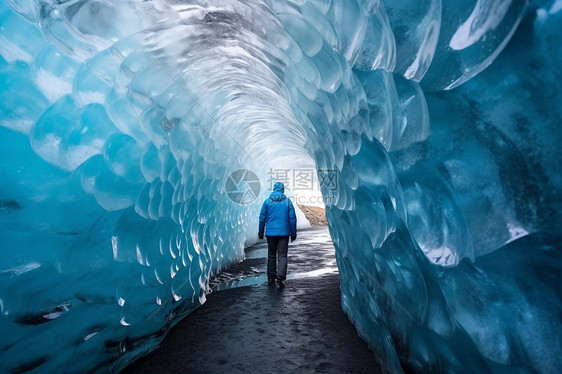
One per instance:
(260,235)
(293,238)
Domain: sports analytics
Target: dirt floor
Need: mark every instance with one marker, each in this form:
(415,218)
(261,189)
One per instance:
(315,215)
(299,328)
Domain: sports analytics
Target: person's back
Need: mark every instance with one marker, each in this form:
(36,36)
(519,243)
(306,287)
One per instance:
(278,218)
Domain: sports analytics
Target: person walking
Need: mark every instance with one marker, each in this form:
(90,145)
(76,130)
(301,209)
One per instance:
(278,218)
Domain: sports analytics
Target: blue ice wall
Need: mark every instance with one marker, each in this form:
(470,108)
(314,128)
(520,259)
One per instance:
(121,123)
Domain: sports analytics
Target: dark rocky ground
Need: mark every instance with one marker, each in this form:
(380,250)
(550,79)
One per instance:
(247,326)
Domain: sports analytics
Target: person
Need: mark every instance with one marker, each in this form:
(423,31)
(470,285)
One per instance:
(278,218)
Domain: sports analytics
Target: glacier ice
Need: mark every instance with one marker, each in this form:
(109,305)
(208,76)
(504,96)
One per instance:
(121,121)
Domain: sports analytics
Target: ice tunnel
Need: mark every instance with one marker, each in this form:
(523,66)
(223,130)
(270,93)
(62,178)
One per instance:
(123,124)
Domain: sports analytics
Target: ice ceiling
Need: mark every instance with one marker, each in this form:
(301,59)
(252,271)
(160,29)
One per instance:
(121,122)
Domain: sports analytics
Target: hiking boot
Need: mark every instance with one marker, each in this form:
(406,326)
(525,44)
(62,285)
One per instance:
(271,282)
(281,282)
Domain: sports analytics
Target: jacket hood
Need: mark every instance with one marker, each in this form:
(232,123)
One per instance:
(277,194)
(279,187)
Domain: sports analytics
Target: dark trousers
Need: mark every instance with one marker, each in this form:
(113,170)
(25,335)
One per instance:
(277,246)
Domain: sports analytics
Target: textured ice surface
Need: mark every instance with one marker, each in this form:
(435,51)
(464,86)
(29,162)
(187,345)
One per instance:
(121,122)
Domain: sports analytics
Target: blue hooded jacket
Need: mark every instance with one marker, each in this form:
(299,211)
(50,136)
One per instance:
(278,214)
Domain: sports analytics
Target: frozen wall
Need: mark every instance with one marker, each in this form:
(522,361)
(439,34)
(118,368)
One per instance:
(127,127)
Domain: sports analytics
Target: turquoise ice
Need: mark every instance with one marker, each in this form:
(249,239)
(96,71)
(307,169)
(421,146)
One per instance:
(121,122)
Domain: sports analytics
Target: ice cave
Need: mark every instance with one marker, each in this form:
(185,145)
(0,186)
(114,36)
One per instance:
(121,122)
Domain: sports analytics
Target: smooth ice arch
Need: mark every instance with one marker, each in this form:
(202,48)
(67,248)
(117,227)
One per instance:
(121,122)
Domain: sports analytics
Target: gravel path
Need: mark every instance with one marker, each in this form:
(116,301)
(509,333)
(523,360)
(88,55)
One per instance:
(247,326)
